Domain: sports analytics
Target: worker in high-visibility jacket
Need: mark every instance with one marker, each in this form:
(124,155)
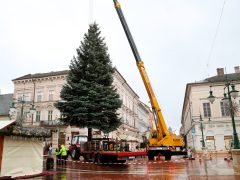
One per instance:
(58,154)
(63,152)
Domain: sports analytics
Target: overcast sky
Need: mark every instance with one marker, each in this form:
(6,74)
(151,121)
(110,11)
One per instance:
(174,37)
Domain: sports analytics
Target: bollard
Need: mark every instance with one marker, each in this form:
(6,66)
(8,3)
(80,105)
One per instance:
(50,163)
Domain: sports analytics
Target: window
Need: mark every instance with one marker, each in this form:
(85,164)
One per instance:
(210,142)
(206,110)
(27,96)
(25,115)
(50,95)
(38,116)
(21,115)
(20,96)
(62,137)
(224,108)
(23,96)
(18,115)
(228,142)
(50,112)
(39,96)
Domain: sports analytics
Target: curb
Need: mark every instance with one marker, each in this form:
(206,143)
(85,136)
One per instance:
(128,163)
(36,175)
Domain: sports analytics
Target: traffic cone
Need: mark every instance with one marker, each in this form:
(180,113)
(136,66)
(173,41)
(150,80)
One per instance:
(210,156)
(155,158)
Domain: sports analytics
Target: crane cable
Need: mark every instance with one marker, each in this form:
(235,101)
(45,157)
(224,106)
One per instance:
(215,36)
(90,12)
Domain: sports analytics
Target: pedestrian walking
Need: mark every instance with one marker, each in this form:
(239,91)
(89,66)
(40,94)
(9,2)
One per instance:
(189,152)
(50,150)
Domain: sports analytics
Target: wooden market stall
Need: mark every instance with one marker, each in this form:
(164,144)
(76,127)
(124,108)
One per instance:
(21,150)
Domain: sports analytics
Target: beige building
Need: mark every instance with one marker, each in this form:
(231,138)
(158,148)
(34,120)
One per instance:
(43,89)
(216,125)
(144,113)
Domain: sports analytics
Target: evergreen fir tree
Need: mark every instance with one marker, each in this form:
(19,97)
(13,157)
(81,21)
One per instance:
(88,98)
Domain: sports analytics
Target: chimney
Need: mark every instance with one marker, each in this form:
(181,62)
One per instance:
(237,69)
(220,71)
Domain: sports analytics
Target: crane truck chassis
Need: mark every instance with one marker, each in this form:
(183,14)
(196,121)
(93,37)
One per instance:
(101,150)
(160,141)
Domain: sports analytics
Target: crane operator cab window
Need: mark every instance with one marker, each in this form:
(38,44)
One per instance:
(154,135)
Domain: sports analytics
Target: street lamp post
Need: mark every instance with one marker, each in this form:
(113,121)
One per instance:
(235,135)
(201,127)
(12,110)
(228,98)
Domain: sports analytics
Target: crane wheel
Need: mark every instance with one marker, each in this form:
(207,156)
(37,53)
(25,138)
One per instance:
(150,157)
(168,157)
(98,158)
(75,154)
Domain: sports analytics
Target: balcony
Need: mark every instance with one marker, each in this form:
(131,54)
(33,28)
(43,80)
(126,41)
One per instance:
(46,123)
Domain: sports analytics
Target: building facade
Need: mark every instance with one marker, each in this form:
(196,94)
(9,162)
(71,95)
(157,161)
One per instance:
(206,123)
(42,90)
(143,114)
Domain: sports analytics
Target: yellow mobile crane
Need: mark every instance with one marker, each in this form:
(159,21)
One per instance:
(160,141)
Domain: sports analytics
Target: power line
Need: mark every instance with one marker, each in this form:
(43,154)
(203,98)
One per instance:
(215,35)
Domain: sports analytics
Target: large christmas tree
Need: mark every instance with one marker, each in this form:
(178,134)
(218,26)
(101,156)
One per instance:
(88,98)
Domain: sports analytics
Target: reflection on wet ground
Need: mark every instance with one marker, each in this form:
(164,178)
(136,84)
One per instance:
(176,169)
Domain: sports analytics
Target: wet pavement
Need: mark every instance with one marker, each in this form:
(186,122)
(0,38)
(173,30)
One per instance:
(176,169)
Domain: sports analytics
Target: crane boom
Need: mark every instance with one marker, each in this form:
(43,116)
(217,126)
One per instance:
(161,126)
(160,141)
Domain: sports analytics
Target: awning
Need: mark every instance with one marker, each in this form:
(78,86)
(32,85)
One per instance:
(227,137)
(132,139)
(210,137)
(127,138)
(5,123)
